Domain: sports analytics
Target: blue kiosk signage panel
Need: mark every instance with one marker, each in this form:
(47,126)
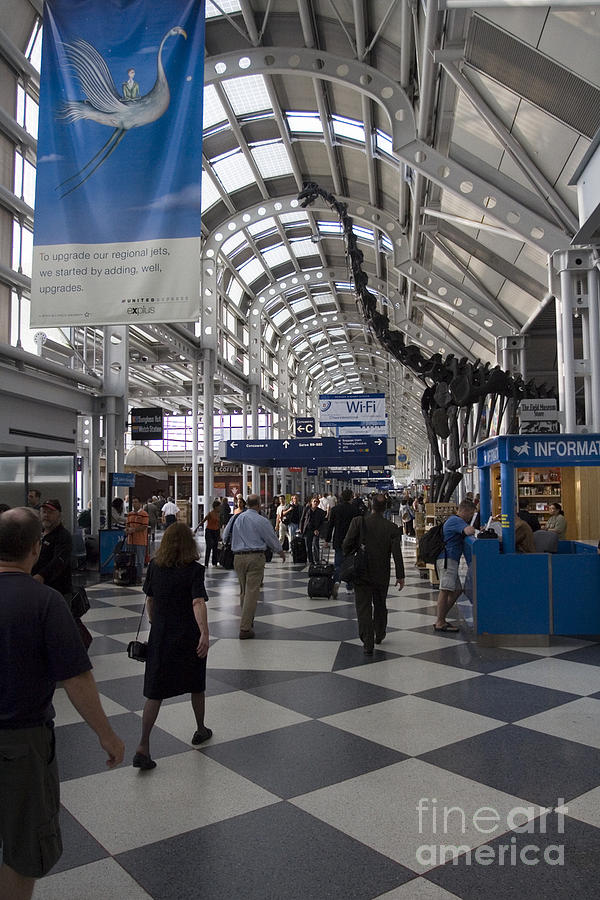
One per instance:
(545,450)
(348,451)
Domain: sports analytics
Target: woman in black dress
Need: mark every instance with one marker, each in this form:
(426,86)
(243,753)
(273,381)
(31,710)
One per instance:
(178,642)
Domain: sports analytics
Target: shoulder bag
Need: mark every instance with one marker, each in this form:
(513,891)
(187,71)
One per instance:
(137,649)
(79,603)
(355,566)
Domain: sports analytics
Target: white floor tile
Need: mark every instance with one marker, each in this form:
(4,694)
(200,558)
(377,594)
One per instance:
(566,645)
(110,612)
(586,808)
(295,656)
(308,603)
(361,807)
(233,715)
(410,643)
(577,721)
(297,619)
(558,674)
(412,725)
(126,808)
(115,665)
(408,675)
(101,880)
(66,714)
(410,619)
(417,889)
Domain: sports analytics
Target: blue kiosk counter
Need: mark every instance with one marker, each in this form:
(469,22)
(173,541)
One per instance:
(525,598)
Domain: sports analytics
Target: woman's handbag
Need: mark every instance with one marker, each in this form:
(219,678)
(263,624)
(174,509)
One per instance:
(355,566)
(137,649)
(79,603)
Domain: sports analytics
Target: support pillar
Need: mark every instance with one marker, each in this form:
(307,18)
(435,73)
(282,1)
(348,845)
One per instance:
(194,443)
(95,472)
(507,487)
(208,385)
(254,396)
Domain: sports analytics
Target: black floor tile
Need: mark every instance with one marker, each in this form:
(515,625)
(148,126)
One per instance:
(79,847)
(590,655)
(324,694)
(118,625)
(246,679)
(498,697)
(276,852)
(538,767)
(344,630)
(539,873)
(79,752)
(302,758)
(104,644)
(351,655)
(477,659)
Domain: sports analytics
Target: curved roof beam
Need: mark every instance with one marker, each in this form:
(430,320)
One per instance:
(490,201)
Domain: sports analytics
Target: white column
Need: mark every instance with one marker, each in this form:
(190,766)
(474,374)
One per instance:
(208,373)
(254,394)
(594,324)
(194,443)
(566,314)
(95,471)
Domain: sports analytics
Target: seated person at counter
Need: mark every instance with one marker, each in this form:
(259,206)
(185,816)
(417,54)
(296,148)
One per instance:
(524,542)
(557,521)
(526,516)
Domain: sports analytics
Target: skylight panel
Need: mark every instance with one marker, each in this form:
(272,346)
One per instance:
(276,255)
(301,306)
(228,6)
(247,94)
(307,122)
(330,227)
(213,110)
(386,243)
(304,248)
(272,159)
(251,270)
(364,233)
(235,291)
(269,332)
(324,300)
(384,143)
(298,216)
(348,128)
(233,171)
(210,194)
(233,243)
(263,227)
(280,317)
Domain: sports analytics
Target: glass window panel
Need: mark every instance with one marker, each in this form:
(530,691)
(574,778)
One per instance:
(304,248)
(235,291)
(233,171)
(31,117)
(26,251)
(384,143)
(298,216)
(272,160)
(280,317)
(34,48)
(251,270)
(213,110)
(262,227)
(20,106)
(276,256)
(247,94)
(308,122)
(348,128)
(228,6)
(28,186)
(301,306)
(210,194)
(233,243)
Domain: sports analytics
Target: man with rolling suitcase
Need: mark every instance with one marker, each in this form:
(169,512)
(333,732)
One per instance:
(310,528)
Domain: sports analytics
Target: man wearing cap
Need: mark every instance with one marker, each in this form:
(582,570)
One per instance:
(250,534)
(53,567)
(39,646)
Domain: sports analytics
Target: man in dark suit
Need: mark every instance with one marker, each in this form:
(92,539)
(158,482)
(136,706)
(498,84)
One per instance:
(383,540)
(337,526)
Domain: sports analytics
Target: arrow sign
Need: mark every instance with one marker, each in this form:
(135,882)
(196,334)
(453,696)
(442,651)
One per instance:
(345,452)
(305,426)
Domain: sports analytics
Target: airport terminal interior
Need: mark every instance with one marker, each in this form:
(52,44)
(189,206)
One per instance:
(460,138)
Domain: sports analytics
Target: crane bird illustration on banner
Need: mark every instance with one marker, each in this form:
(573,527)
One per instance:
(105,106)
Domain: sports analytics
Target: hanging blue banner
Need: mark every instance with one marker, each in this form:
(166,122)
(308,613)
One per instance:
(119,166)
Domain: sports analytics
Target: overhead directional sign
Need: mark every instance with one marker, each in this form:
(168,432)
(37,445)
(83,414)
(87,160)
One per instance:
(347,409)
(305,427)
(357,474)
(347,452)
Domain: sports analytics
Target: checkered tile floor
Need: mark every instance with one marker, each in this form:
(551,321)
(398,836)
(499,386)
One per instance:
(332,774)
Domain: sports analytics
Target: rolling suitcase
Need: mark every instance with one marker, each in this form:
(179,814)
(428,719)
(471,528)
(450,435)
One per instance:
(298,550)
(320,578)
(124,569)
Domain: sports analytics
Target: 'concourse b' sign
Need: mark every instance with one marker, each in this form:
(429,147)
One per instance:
(348,409)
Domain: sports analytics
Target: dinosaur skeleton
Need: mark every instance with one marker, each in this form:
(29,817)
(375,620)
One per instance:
(451,384)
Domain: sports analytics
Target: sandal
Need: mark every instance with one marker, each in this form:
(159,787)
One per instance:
(445,627)
(201,736)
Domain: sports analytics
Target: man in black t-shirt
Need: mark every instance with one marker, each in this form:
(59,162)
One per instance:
(53,568)
(39,646)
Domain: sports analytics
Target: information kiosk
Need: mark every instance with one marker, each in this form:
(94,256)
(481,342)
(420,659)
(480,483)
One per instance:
(524,598)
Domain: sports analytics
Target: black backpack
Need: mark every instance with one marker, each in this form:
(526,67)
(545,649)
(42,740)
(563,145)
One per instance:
(432,544)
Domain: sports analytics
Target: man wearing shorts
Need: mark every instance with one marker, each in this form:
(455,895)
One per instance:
(456,527)
(39,645)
